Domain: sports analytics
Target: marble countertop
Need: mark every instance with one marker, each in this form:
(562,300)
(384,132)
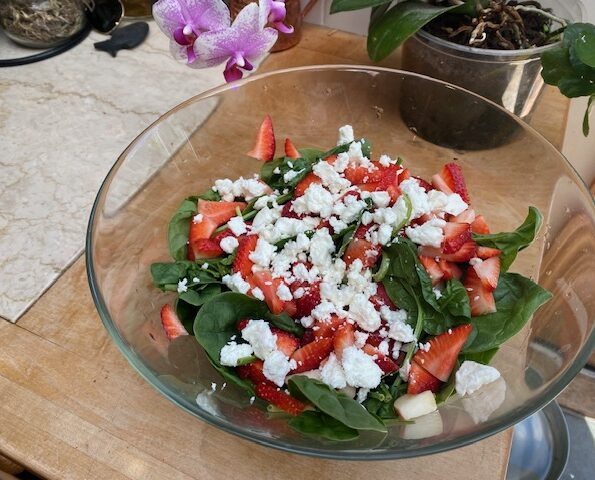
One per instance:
(63,123)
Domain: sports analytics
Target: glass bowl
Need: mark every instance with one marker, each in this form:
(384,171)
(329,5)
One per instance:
(205,138)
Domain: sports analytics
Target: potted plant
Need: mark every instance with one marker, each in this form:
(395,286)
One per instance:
(495,48)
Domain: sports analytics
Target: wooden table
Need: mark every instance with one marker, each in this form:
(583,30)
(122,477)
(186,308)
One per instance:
(72,408)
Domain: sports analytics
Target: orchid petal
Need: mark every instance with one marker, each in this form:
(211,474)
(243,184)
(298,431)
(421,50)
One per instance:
(201,15)
(282,27)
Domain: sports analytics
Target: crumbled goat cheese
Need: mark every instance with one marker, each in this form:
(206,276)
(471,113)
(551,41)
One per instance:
(362,312)
(356,156)
(284,293)
(404,370)
(197,218)
(429,233)
(237,226)
(247,188)
(455,205)
(323,311)
(425,346)
(360,368)
(263,253)
(402,332)
(471,376)
(362,394)
(232,352)
(380,199)
(265,217)
(361,338)
(348,209)
(475,261)
(316,199)
(276,367)
(331,372)
(182,285)
(321,248)
(291,174)
(229,244)
(345,135)
(417,195)
(330,178)
(337,224)
(437,293)
(392,316)
(383,347)
(276,170)
(264,201)
(258,334)
(236,283)
(307,322)
(385,160)
(257,293)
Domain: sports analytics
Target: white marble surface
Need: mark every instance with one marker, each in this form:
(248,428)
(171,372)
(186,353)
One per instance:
(63,122)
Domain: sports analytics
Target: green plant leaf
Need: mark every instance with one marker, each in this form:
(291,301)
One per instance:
(512,242)
(398,24)
(179,227)
(201,295)
(230,375)
(587,114)
(449,387)
(455,300)
(471,7)
(317,423)
(337,405)
(479,357)
(170,273)
(584,45)
(348,5)
(517,299)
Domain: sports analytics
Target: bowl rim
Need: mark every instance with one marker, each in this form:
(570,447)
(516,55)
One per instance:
(547,395)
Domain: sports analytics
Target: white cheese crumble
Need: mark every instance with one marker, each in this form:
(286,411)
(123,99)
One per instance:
(362,394)
(362,312)
(402,332)
(229,244)
(404,370)
(258,334)
(197,218)
(237,226)
(380,199)
(247,188)
(385,160)
(455,205)
(471,376)
(284,293)
(263,253)
(232,352)
(330,178)
(276,367)
(417,195)
(257,293)
(331,372)
(429,233)
(360,368)
(345,135)
(316,199)
(236,283)
(182,285)
(437,293)
(321,248)
(361,338)
(475,261)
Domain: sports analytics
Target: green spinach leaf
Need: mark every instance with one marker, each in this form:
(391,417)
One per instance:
(480,357)
(202,294)
(455,300)
(179,227)
(230,375)
(319,424)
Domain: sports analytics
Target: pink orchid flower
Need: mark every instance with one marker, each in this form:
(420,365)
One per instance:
(183,21)
(241,44)
(273,12)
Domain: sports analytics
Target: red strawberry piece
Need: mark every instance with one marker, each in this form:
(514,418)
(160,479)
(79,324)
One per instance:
(307,337)
(286,342)
(363,250)
(432,268)
(268,285)
(404,175)
(202,229)
(253,371)
(481,299)
(277,397)
(172,326)
(374,339)
(468,216)
(439,183)
(264,148)
(420,381)
(242,262)
(308,301)
(304,183)
(423,184)
(452,174)
(331,159)
(487,252)
(327,329)
(221,235)
(310,356)
(480,225)
(451,270)
(219,212)
(381,298)
(444,349)
(290,308)
(204,248)
(360,174)
(369,187)
(242,324)
(386,364)
(290,150)
(464,254)
(455,236)
(288,212)
(345,337)
(488,272)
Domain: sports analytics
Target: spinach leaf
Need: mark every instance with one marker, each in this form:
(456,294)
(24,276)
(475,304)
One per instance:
(167,274)
(512,242)
(186,313)
(480,357)
(201,295)
(216,321)
(449,387)
(455,300)
(210,195)
(517,299)
(230,375)
(380,402)
(179,227)
(319,424)
(337,405)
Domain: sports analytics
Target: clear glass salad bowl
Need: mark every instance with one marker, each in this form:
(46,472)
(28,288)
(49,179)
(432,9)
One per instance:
(206,138)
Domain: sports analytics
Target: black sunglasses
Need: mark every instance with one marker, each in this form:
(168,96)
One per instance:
(105,15)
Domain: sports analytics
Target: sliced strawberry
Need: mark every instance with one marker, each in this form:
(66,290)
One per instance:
(452,174)
(404,175)
(420,381)
(455,236)
(311,355)
(363,250)
(374,339)
(219,212)
(468,216)
(290,150)
(264,149)
(203,229)
(451,270)
(480,225)
(423,184)
(345,337)
(386,364)
(444,349)
(221,235)
(242,324)
(172,326)
(288,212)
(307,337)
(329,328)
(441,185)
(432,268)
(464,254)
(309,300)
(242,262)
(253,371)
(286,342)
(487,252)
(204,248)
(381,298)
(360,174)
(290,308)
(277,397)
(268,285)
(304,183)
(488,272)
(480,298)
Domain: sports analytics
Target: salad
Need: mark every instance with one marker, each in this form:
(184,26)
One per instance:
(343,290)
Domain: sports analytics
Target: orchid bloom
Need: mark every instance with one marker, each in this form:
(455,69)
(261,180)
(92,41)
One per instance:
(241,44)
(273,12)
(183,21)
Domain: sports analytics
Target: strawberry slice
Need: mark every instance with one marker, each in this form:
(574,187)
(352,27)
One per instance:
(468,216)
(381,298)
(290,308)
(304,183)
(308,301)
(277,397)
(311,355)
(432,268)
(480,225)
(488,272)
(219,212)
(404,175)
(362,249)
(345,337)
(450,270)
(286,342)
(440,359)
(360,174)
(202,229)
(204,248)
(420,381)
(253,371)
(242,324)
(264,149)
(386,364)
(307,337)
(423,184)
(265,281)
(464,254)
(487,252)
(455,236)
(481,299)
(439,183)
(288,212)
(171,323)
(374,339)
(327,329)
(452,174)
(290,150)
(242,262)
